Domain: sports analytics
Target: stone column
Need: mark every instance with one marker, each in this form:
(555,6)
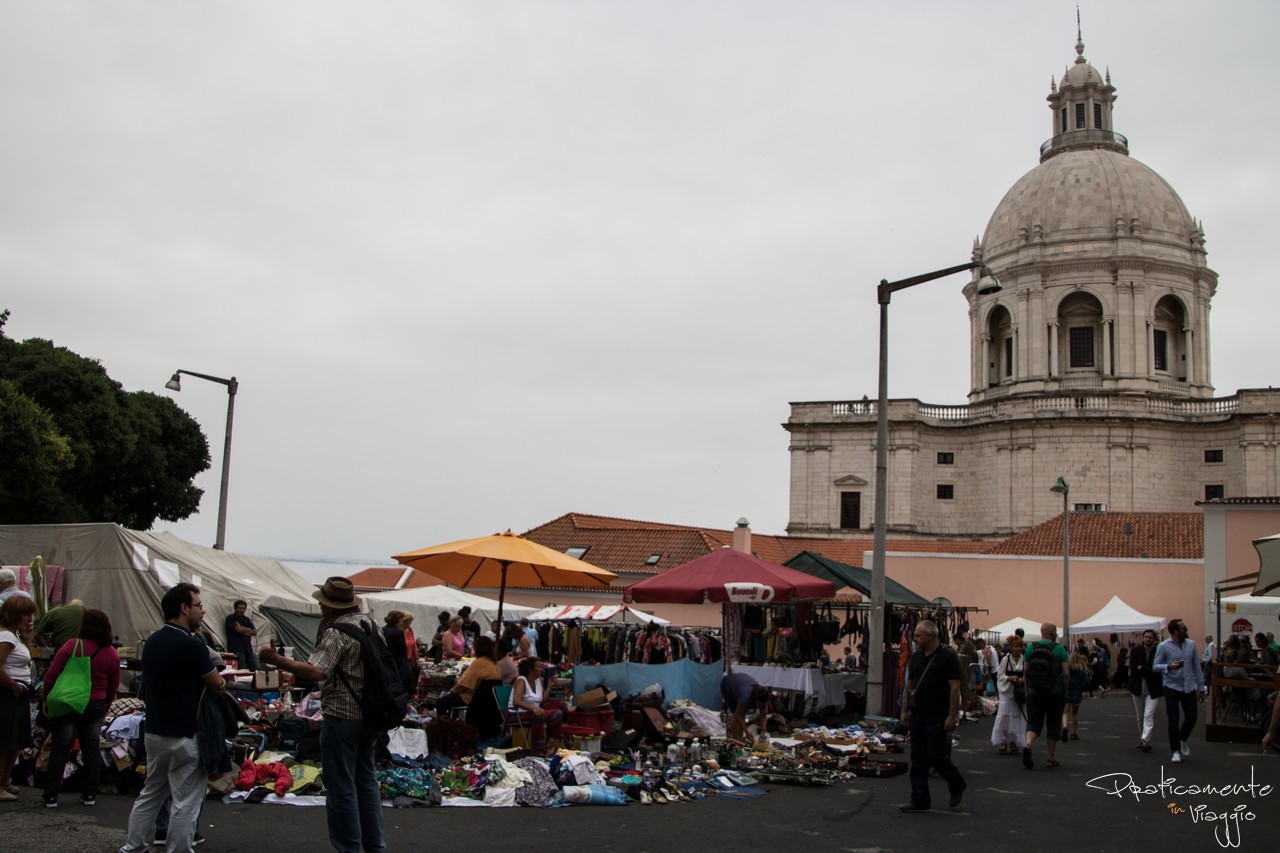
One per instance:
(1188,341)
(1106,347)
(1053,349)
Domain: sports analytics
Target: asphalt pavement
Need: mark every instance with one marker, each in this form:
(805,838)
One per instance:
(1105,796)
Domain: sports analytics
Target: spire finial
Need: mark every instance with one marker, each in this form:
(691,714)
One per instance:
(1079,39)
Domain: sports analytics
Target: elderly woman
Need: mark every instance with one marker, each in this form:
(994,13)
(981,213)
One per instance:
(1010,728)
(104,672)
(17,624)
(483,668)
(526,706)
(453,641)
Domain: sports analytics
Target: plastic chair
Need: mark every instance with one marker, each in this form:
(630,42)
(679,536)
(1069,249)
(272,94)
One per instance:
(502,696)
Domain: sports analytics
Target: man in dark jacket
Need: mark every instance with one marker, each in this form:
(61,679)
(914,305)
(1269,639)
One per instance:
(933,679)
(1147,686)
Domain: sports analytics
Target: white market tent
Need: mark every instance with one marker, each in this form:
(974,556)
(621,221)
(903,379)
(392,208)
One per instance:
(427,601)
(1116,617)
(1030,627)
(126,572)
(1268,548)
(1262,610)
(594,613)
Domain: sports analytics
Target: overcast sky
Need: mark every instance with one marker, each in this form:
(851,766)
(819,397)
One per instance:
(476,265)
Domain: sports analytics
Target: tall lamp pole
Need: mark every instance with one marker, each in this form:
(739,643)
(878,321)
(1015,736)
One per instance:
(875,650)
(175,384)
(1063,489)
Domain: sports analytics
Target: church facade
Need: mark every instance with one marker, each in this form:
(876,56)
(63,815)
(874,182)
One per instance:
(1092,363)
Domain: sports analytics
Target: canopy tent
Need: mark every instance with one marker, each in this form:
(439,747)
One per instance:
(126,572)
(1268,548)
(1116,617)
(852,576)
(1260,608)
(425,602)
(1030,628)
(728,575)
(593,613)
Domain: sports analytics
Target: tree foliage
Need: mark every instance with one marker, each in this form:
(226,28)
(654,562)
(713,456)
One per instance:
(79,448)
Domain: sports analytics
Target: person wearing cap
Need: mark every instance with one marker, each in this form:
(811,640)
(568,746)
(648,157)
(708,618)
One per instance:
(353,804)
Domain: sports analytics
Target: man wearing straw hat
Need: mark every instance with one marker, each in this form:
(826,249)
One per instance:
(347,746)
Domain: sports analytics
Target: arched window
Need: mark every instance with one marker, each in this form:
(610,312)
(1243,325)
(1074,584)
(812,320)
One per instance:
(1080,347)
(1000,363)
(1168,343)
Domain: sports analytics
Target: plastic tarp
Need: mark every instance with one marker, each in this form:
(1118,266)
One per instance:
(1116,616)
(682,679)
(593,613)
(126,572)
(425,602)
(852,576)
(1268,548)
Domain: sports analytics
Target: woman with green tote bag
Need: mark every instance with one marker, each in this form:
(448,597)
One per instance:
(104,671)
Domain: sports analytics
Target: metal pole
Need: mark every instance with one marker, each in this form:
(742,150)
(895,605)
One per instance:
(875,647)
(1066,563)
(221,540)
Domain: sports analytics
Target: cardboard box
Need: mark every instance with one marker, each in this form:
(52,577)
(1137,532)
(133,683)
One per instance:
(592,698)
(266,679)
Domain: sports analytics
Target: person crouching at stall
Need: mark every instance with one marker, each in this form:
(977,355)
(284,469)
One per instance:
(741,693)
(526,706)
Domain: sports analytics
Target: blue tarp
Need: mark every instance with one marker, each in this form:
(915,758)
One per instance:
(683,679)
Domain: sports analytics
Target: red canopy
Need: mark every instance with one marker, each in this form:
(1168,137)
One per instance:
(728,575)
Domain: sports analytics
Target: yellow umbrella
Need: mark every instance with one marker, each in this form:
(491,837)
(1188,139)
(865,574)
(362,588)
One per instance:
(501,559)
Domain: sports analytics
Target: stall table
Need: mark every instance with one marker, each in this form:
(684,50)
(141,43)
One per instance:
(826,688)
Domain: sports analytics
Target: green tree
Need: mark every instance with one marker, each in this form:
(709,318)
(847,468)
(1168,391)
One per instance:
(132,455)
(35,457)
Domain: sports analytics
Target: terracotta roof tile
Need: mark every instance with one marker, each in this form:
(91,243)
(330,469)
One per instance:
(624,545)
(1143,535)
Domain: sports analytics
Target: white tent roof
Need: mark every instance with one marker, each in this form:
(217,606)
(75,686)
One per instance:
(594,613)
(1116,616)
(126,572)
(1251,605)
(1268,548)
(1029,627)
(427,601)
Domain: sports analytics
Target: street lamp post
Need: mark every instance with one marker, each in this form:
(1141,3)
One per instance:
(875,650)
(1063,489)
(175,384)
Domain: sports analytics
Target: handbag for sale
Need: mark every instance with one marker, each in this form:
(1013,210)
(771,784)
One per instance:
(70,692)
(827,628)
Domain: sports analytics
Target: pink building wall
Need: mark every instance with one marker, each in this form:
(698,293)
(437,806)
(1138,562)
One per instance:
(1032,586)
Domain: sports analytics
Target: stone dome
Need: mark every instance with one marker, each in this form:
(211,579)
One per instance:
(1088,194)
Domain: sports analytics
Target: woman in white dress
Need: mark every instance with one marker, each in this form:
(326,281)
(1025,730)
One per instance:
(1010,727)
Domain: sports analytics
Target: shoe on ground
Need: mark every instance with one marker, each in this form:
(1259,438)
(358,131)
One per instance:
(956,797)
(1144,746)
(7,797)
(1027,761)
(162,835)
(88,799)
(1075,736)
(1177,758)
(912,807)
(1184,749)
(12,789)
(1063,737)
(49,802)
(197,840)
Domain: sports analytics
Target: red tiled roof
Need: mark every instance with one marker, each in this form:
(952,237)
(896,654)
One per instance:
(386,577)
(624,545)
(1144,535)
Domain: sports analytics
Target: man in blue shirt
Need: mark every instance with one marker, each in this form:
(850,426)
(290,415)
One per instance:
(176,669)
(1177,660)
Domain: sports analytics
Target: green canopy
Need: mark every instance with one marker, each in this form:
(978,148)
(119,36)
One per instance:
(860,579)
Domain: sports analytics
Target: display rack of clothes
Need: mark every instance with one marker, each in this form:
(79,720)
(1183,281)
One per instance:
(651,643)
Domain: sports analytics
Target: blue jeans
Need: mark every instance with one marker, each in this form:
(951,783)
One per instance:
(65,730)
(352,802)
(931,747)
(1177,703)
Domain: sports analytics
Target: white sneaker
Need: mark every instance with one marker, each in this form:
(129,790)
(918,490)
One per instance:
(1177,758)
(1184,749)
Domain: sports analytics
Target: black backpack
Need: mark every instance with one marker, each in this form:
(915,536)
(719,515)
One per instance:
(384,700)
(1039,667)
